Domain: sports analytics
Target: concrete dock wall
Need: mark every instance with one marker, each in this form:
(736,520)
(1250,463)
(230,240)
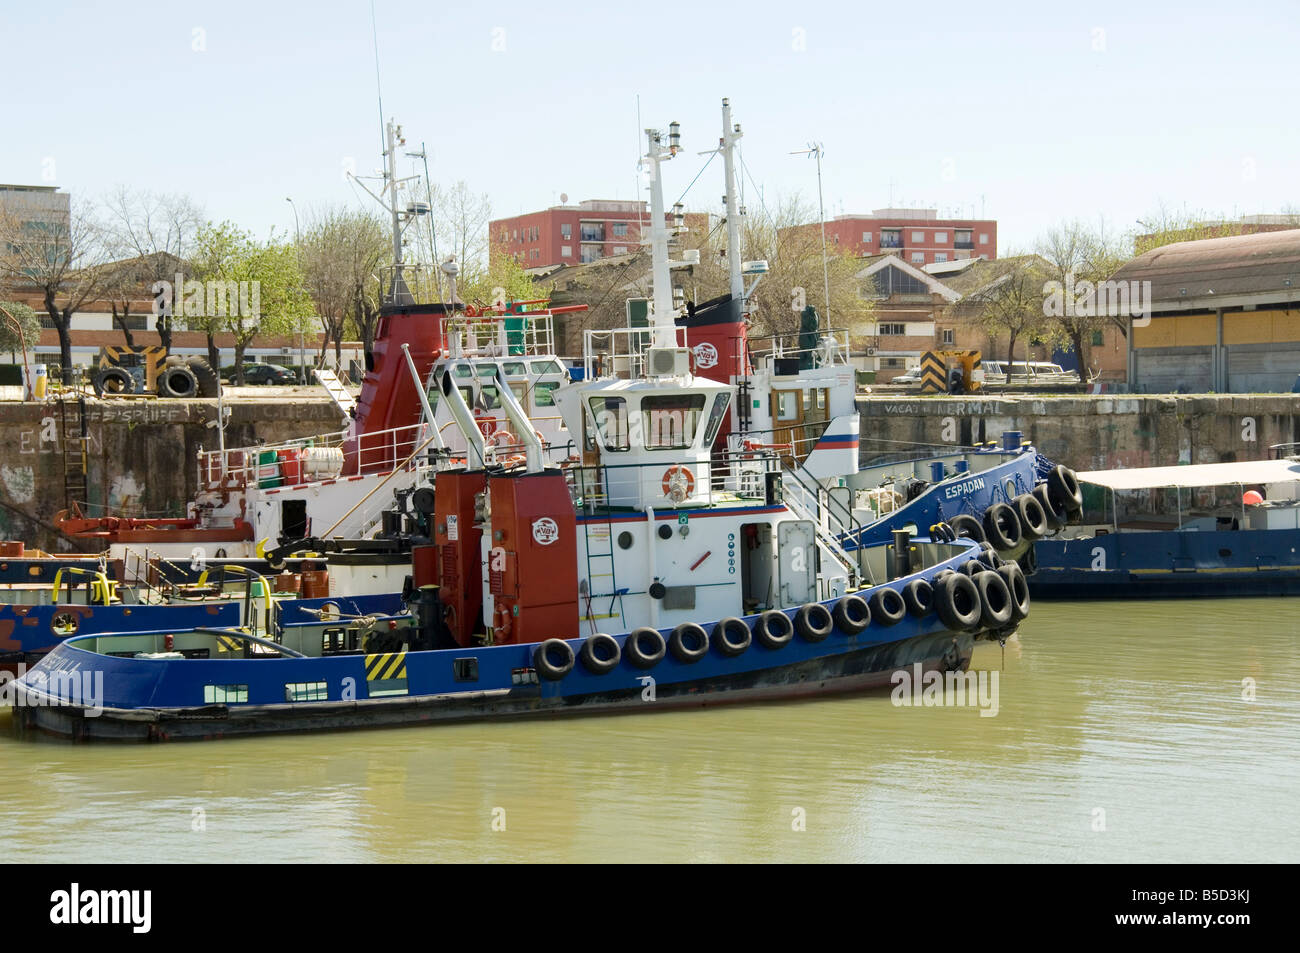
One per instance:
(1090,433)
(142,455)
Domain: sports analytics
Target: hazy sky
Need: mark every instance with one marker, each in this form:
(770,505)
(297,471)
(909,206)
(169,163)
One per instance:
(1031,112)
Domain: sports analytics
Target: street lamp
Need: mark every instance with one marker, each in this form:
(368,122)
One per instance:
(297,244)
(815,149)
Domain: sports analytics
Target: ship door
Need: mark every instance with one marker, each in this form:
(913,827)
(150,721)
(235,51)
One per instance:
(757,576)
(787,422)
(797,560)
(293,519)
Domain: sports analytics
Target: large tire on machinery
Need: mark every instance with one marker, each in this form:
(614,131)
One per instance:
(209,382)
(178,381)
(112,381)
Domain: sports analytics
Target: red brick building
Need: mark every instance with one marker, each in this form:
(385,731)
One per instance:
(575,234)
(916,235)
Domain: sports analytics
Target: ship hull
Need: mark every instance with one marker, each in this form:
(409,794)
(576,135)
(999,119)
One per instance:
(854,669)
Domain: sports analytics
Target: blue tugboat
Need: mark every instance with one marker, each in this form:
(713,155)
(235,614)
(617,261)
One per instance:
(1219,529)
(721,587)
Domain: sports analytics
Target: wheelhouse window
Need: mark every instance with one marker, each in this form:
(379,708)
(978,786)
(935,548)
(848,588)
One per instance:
(610,415)
(544,393)
(488,398)
(716,415)
(515,369)
(669,421)
(787,405)
(547,367)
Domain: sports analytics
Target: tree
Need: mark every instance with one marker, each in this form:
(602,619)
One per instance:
(344,254)
(21,329)
(1077,258)
(65,261)
(1011,302)
(244,288)
(462,218)
(152,229)
(789,239)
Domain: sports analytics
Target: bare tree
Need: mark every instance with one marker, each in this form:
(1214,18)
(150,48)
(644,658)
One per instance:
(154,229)
(344,255)
(1078,257)
(65,262)
(1011,302)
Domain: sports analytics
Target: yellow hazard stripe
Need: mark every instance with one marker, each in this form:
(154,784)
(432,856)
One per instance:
(385,666)
(227,644)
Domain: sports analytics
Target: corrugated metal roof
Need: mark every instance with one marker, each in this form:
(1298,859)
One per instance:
(1262,263)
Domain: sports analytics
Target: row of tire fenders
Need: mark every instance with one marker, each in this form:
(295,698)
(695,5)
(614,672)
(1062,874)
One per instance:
(987,594)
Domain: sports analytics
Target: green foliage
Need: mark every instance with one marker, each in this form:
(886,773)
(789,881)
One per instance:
(272,297)
(27,320)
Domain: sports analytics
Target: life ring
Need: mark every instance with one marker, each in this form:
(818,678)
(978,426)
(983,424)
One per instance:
(852,614)
(546,663)
(887,606)
(814,622)
(957,600)
(485,421)
(1063,483)
(1032,516)
(645,647)
(963,524)
(503,438)
(600,653)
(678,483)
(689,643)
(919,597)
(1002,527)
(1018,586)
(731,637)
(773,629)
(1057,515)
(995,600)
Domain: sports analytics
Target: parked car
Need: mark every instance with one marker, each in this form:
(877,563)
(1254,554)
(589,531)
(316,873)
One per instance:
(262,374)
(910,376)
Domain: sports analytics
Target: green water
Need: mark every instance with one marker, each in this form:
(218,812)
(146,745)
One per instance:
(1131,709)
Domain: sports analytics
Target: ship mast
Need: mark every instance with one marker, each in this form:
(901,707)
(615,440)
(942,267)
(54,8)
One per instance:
(398,291)
(662,312)
(730,136)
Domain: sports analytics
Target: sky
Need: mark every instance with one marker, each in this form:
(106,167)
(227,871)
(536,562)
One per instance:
(1028,113)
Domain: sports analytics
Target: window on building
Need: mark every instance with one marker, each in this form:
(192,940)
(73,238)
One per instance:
(948,334)
(918,258)
(891,329)
(591,231)
(941,256)
(918,237)
(566,231)
(534,233)
(566,251)
(866,237)
(1098,338)
(891,238)
(984,238)
(505,236)
(514,236)
(961,238)
(620,229)
(620,249)
(892,281)
(589,253)
(940,237)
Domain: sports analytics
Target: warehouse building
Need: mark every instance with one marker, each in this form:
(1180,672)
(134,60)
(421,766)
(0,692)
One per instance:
(1225,315)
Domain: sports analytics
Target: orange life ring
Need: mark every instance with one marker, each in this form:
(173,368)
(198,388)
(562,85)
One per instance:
(678,478)
(504,438)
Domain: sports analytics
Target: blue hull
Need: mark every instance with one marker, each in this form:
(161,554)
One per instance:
(159,699)
(1167,565)
(970,493)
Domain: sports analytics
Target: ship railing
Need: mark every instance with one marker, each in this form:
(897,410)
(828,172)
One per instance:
(832,347)
(600,489)
(509,333)
(287,462)
(619,352)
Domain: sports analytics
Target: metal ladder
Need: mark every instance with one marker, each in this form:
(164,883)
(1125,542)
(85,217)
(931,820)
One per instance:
(593,558)
(832,521)
(75,485)
(341,396)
